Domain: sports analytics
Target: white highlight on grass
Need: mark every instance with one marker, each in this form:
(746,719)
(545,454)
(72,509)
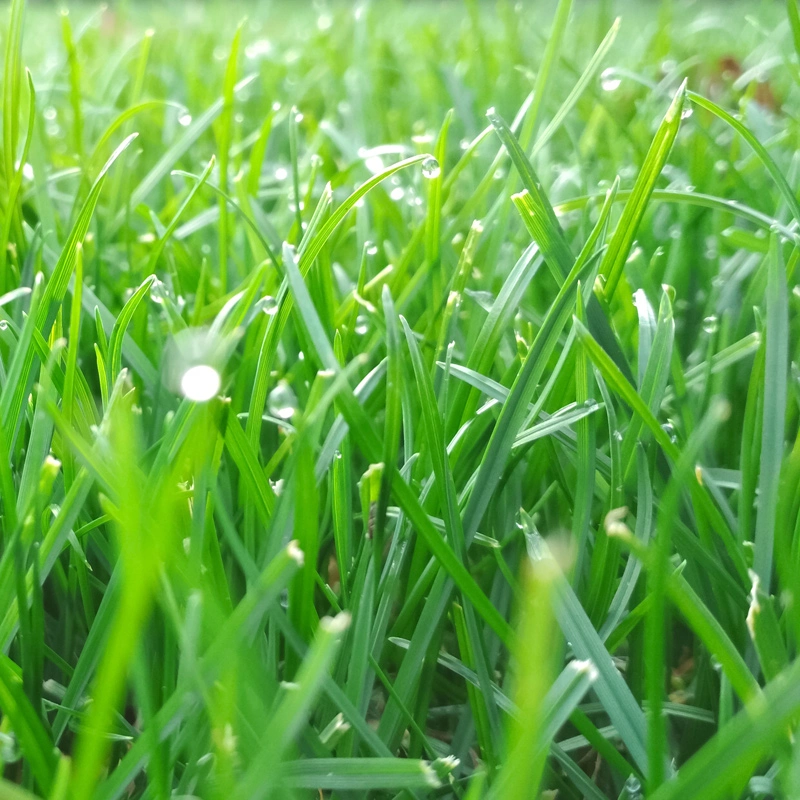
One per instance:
(200,383)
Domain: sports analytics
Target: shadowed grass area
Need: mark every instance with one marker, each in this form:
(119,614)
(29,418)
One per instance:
(399,400)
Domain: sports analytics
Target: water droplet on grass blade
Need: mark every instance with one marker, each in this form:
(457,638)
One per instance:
(609,81)
(687,112)
(431,168)
(633,788)
(711,324)
(269,305)
(200,383)
(282,402)
(185,120)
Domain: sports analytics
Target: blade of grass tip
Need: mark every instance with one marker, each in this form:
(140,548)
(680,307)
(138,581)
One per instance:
(774,412)
(121,325)
(536,651)
(620,245)
(766,159)
(542,221)
(293,708)
(173,224)
(224,144)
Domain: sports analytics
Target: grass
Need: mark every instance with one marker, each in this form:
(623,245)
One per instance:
(362,442)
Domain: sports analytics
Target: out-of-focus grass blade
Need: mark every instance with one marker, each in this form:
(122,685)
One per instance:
(536,649)
(766,159)
(27,725)
(610,688)
(359,774)
(121,325)
(291,712)
(192,133)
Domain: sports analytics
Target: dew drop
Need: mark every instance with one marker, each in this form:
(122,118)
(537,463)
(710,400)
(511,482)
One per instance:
(361,325)
(618,435)
(609,82)
(281,174)
(200,383)
(158,292)
(669,429)
(185,120)
(282,402)
(431,168)
(372,249)
(633,788)
(711,324)
(687,112)
(269,305)
(398,193)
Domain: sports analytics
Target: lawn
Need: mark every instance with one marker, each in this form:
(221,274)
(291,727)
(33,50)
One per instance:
(400,400)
